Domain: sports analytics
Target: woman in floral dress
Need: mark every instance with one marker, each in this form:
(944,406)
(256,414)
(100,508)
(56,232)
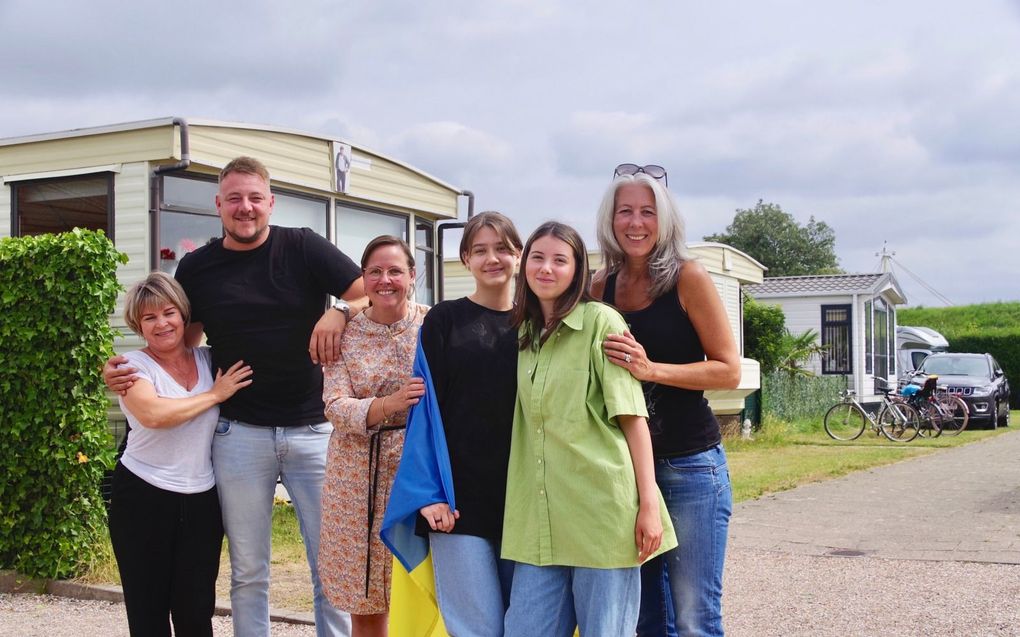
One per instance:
(367,393)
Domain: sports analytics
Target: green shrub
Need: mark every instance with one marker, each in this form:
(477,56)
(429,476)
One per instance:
(56,296)
(798,397)
(764,331)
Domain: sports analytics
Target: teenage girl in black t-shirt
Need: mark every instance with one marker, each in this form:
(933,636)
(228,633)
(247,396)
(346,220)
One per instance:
(472,355)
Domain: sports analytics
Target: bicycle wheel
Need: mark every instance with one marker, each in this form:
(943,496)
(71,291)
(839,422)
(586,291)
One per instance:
(844,421)
(957,415)
(931,420)
(899,422)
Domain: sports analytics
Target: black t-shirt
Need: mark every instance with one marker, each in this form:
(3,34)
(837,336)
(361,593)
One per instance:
(260,306)
(472,355)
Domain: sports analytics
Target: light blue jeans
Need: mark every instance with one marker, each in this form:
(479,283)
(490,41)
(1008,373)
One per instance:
(552,600)
(247,461)
(472,584)
(699,499)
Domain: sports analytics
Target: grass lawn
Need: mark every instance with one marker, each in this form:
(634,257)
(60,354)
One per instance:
(784,455)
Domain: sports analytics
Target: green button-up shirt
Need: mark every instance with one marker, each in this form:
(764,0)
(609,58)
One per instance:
(572,497)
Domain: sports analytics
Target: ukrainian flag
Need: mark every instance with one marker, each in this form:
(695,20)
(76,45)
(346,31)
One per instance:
(423,477)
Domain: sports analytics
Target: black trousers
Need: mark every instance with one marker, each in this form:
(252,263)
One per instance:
(168,551)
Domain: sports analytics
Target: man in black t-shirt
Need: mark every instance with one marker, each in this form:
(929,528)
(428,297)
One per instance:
(259,294)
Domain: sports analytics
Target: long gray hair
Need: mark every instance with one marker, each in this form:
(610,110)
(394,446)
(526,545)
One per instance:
(670,249)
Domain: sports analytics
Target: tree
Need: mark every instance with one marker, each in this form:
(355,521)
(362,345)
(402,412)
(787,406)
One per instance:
(785,247)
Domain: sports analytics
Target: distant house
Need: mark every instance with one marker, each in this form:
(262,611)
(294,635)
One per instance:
(729,268)
(854,316)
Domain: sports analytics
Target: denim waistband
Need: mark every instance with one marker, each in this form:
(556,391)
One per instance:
(687,454)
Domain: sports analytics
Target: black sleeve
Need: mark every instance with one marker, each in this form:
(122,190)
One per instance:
(433,343)
(333,270)
(183,275)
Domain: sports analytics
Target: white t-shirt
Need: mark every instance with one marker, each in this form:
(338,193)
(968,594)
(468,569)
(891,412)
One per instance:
(177,459)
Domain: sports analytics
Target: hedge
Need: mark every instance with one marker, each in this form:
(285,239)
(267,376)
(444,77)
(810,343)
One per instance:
(798,397)
(56,296)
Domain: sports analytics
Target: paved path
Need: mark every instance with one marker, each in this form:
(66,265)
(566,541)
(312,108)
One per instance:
(961,504)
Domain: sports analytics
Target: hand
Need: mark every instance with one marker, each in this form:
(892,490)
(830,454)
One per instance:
(226,385)
(648,532)
(118,376)
(409,394)
(324,346)
(439,516)
(625,351)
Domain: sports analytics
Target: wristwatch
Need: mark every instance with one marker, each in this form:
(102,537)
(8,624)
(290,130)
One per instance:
(342,305)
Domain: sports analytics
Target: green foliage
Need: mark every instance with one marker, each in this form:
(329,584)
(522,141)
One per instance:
(56,296)
(774,238)
(764,330)
(992,328)
(796,352)
(963,318)
(793,397)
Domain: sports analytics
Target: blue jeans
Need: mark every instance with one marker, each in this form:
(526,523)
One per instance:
(247,461)
(552,600)
(698,495)
(472,584)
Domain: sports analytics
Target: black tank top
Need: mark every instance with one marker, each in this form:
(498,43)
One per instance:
(680,420)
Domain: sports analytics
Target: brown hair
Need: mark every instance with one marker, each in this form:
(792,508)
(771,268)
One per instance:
(246,166)
(527,310)
(495,221)
(383,241)
(154,290)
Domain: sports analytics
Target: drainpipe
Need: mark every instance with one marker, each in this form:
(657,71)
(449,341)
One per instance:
(440,280)
(156,187)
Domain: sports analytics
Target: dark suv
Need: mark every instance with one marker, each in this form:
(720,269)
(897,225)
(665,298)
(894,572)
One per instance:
(976,378)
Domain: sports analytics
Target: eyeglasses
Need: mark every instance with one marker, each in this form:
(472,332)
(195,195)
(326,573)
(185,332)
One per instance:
(653,171)
(374,274)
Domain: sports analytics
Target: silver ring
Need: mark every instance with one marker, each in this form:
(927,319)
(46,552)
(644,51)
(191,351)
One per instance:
(626,358)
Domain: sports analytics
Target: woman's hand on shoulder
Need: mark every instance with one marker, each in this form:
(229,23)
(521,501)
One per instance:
(439,516)
(227,384)
(625,351)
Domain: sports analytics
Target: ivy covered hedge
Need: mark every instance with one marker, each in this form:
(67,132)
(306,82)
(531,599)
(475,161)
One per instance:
(56,296)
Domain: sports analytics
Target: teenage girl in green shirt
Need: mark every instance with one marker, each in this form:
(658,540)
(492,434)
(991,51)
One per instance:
(582,507)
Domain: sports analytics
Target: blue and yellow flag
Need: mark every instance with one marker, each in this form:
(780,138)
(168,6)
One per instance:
(423,477)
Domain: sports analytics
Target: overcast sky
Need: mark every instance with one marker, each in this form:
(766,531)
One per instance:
(890,121)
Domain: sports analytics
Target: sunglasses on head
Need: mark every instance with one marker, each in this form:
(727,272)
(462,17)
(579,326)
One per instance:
(653,171)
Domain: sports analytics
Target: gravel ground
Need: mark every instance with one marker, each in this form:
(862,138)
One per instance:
(766,594)
(792,595)
(47,616)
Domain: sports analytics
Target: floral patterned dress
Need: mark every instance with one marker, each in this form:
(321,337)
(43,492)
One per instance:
(375,360)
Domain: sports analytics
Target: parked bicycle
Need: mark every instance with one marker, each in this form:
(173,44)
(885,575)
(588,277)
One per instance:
(847,419)
(953,411)
(922,398)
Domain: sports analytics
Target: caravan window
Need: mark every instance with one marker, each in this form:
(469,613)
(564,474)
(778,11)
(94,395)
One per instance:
(62,204)
(836,323)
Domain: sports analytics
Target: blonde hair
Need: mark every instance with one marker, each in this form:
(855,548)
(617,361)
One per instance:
(157,289)
(670,249)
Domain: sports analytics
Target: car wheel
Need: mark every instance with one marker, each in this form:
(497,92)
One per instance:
(993,421)
(1004,421)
